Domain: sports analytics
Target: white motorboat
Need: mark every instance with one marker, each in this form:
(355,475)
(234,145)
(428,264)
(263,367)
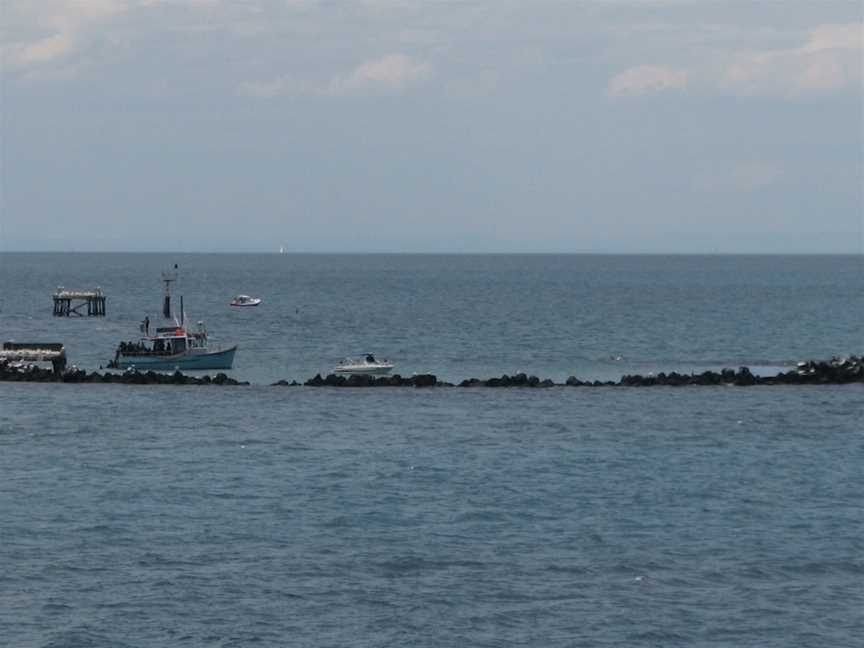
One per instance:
(367,365)
(245,300)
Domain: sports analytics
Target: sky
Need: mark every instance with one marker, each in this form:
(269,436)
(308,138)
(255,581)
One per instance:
(641,126)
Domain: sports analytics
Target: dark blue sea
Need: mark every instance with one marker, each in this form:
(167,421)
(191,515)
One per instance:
(155,516)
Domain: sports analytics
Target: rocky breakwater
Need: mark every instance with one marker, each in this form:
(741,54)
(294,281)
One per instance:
(834,372)
(74,375)
(518,380)
(362,380)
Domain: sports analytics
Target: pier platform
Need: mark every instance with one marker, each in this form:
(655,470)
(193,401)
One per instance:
(53,352)
(71,303)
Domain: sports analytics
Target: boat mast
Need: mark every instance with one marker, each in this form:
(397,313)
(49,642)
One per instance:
(168,278)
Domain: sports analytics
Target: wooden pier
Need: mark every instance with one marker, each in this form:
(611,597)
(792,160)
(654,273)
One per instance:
(70,303)
(53,352)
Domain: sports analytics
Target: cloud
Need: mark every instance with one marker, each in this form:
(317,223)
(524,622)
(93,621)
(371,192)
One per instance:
(391,73)
(48,32)
(830,60)
(45,49)
(834,37)
(645,79)
(67,22)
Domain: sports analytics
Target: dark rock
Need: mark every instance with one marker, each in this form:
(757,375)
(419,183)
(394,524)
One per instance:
(744,378)
(358,380)
(425,380)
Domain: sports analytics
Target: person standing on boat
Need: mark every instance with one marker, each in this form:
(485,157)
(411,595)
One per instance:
(147,325)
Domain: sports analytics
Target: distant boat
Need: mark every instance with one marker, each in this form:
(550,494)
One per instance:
(281,250)
(245,300)
(364,366)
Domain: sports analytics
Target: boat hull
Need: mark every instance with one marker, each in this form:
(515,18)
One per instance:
(184,361)
(363,371)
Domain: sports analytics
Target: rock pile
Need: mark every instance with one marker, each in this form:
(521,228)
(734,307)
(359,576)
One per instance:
(75,375)
(519,380)
(360,380)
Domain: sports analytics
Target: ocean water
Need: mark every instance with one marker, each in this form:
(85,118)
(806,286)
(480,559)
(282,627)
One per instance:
(460,316)
(264,516)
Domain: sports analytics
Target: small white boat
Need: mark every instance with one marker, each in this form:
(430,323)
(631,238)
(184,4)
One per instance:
(245,300)
(367,365)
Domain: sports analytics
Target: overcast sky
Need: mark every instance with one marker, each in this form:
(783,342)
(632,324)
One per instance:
(432,126)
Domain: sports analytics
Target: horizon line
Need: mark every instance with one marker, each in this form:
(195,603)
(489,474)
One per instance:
(432,253)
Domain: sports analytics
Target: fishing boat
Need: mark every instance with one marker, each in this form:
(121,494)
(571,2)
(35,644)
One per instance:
(366,365)
(245,300)
(173,346)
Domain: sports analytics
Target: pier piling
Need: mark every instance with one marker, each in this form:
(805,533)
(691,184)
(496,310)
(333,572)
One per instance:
(70,303)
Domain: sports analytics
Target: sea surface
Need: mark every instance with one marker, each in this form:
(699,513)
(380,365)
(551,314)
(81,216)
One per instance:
(156,516)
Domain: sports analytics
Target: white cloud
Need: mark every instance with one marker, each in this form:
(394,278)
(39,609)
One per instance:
(830,60)
(842,37)
(43,32)
(45,49)
(645,79)
(391,73)
(67,22)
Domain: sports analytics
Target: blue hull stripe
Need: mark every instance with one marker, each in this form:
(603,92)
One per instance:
(217,360)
